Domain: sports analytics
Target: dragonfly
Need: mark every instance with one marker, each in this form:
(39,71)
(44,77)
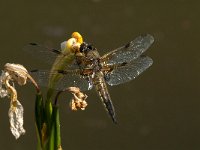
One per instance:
(90,70)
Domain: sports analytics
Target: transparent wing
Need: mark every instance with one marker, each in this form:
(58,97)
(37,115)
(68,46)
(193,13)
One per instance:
(47,55)
(130,51)
(128,72)
(68,80)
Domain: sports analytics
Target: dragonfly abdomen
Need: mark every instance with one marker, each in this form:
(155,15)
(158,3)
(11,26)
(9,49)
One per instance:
(102,91)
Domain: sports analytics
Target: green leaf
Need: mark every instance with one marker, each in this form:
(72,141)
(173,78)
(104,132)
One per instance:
(48,113)
(39,116)
(55,139)
(56,122)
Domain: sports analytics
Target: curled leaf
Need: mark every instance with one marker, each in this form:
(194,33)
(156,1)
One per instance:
(19,74)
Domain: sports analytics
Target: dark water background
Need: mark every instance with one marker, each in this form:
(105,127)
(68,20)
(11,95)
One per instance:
(160,110)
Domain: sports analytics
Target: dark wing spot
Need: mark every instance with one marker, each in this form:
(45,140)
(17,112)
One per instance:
(35,70)
(61,71)
(56,51)
(33,43)
(124,63)
(127,45)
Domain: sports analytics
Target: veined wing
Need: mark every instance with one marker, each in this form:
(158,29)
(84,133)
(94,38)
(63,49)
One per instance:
(69,79)
(129,71)
(44,53)
(130,51)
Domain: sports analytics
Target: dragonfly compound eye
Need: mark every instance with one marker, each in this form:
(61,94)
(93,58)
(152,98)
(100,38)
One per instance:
(90,47)
(83,47)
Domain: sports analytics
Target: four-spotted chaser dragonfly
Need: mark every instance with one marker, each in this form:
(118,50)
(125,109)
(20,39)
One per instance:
(92,70)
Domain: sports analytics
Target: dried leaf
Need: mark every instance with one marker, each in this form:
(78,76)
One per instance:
(3,90)
(15,114)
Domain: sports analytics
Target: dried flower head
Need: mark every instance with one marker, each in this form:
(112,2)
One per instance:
(14,73)
(79,99)
(19,74)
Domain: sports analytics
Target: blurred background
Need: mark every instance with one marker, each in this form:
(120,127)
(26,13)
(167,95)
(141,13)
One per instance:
(159,110)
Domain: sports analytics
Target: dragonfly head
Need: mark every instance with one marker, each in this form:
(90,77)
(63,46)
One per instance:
(85,47)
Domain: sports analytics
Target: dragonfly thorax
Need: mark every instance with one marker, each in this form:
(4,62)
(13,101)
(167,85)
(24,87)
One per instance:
(90,58)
